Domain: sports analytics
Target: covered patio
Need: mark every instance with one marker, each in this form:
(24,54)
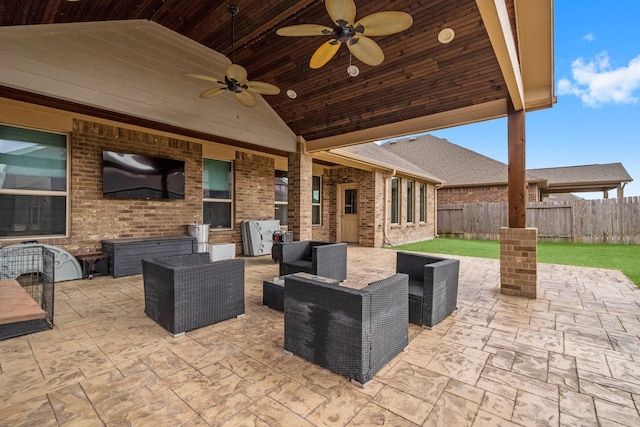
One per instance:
(568,357)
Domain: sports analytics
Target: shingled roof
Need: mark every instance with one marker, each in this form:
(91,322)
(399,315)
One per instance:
(599,177)
(375,152)
(456,165)
(461,167)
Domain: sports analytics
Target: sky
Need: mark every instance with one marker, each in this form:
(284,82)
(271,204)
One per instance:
(596,119)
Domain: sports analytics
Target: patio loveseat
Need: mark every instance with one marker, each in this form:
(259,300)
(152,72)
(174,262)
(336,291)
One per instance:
(319,258)
(352,332)
(433,286)
(186,292)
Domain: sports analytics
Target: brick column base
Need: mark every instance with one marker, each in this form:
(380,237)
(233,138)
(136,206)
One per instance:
(518,262)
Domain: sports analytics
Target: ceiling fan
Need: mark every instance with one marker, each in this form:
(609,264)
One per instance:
(355,34)
(235,78)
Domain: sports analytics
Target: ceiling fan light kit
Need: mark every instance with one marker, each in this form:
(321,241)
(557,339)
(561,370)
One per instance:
(235,78)
(354,34)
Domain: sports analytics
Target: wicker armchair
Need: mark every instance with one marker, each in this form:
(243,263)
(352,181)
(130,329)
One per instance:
(352,332)
(319,258)
(187,292)
(433,286)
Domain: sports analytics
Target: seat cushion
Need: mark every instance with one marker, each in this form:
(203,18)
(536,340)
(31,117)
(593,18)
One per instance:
(300,266)
(416,288)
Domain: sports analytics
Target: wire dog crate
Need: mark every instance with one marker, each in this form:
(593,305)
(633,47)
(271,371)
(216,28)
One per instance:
(33,268)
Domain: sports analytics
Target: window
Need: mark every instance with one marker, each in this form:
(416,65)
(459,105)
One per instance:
(217,196)
(33,183)
(316,201)
(395,200)
(410,208)
(350,201)
(281,188)
(423,195)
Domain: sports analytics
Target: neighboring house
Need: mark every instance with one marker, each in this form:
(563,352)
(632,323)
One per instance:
(585,178)
(471,177)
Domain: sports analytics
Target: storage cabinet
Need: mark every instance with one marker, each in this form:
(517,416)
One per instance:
(126,255)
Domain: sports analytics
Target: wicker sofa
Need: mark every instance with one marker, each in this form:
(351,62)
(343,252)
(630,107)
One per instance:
(189,291)
(319,258)
(433,286)
(352,332)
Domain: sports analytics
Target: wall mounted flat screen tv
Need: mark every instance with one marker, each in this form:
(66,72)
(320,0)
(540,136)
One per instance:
(136,176)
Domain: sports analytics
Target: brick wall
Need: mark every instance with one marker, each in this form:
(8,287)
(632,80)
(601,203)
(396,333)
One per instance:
(254,197)
(372,205)
(93,218)
(404,231)
(487,194)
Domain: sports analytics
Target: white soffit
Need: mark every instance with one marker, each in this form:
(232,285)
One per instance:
(535,38)
(135,68)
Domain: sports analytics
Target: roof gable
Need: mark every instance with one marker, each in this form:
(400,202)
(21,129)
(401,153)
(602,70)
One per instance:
(375,152)
(456,165)
(609,172)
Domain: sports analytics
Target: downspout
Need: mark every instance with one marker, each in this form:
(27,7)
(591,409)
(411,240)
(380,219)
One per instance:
(435,210)
(387,181)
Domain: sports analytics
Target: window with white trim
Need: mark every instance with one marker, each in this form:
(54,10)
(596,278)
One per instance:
(410,207)
(316,200)
(423,200)
(395,200)
(217,185)
(281,190)
(33,183)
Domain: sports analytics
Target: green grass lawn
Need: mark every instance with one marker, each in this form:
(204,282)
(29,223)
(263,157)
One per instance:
(625,258)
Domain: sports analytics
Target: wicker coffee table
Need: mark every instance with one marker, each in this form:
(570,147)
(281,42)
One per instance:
(273,290)
(273,293)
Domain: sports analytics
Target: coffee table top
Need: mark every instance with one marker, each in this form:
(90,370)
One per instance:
(279,281)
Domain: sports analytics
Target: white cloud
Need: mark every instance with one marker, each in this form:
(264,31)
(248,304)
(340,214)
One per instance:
(589,37)
(596,83)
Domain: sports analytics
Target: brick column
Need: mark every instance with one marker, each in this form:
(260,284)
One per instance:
(518,262)
(300,175)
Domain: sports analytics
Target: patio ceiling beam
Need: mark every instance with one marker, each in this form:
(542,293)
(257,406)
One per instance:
(496,21)
(462,116)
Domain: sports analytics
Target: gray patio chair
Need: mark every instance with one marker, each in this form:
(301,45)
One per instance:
(433,286)
(189,291)
(352,332)
(319,258)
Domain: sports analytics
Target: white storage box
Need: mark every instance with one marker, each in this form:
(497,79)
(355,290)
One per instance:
(220,251)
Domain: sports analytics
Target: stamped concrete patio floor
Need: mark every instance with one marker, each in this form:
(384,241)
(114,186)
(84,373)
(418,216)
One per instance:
(570,358)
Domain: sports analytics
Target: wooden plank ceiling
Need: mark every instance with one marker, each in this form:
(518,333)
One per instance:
(419,76)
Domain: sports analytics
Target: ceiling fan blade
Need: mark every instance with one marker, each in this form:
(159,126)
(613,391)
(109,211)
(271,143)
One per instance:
(341,10)
(324,53)
(385,23)
(245,98)
(366,50)
(202,77)
(236,72)
(262,88)
(210,93)
(302,30)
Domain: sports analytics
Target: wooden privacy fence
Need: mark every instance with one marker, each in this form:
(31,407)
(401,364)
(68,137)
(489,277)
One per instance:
(580,221)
